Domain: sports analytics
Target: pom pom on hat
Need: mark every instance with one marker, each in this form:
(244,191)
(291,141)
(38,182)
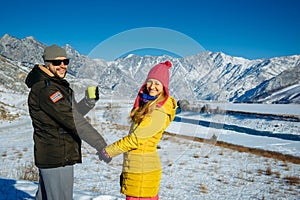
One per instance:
(168,63)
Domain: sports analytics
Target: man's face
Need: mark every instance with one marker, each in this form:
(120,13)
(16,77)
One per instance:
(59,66)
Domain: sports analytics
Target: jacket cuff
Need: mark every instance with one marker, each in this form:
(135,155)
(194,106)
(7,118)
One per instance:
(89,102)
(113,151)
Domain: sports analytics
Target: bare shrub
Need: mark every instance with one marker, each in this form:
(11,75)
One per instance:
(203,189)
(6,115)
(29,172)
(20,155)
(277,174)
(4,154)
(184,104)
(170,187)
(259,172)
(269,171)
(206,108)
(218,110)
(196,109)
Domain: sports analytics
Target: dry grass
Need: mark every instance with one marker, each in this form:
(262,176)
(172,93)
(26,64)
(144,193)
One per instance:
(4,154)
(259,172)
(4,115)
(292,180)
(269,171)
(29,172)
(203,189)
(169,187)
(277,174)
(239,148)
(196,156)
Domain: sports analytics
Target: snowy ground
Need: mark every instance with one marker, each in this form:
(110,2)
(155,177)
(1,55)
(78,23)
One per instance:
(191,170)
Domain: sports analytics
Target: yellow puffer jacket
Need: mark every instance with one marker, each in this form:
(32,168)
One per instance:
(141,165)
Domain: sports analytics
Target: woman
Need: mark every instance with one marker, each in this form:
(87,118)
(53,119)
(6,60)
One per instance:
(153,111)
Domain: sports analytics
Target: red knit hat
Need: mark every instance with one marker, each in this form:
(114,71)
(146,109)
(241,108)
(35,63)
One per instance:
(159,72)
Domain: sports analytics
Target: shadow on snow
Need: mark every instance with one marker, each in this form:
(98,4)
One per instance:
(8,191)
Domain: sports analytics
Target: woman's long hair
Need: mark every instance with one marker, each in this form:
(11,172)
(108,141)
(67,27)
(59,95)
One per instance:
(139,113)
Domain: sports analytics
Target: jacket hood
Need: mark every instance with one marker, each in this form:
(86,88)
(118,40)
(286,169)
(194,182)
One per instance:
(170,107)
(40,73)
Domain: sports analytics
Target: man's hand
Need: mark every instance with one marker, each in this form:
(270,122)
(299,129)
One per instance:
(103,155)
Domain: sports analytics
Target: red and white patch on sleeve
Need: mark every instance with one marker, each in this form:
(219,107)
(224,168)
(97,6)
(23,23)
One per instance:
(56,96)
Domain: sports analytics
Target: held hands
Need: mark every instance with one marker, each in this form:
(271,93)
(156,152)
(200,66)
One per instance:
(103,155)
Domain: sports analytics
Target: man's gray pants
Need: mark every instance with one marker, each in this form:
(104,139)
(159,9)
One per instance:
(56,183)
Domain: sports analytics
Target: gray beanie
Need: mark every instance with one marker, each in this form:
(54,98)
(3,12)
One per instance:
(53,51)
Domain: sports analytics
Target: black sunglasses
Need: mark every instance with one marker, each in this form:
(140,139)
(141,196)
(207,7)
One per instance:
(58,62)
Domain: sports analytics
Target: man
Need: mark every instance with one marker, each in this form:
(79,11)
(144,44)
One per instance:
(59,125)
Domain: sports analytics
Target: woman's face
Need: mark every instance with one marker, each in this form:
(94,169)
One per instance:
(154,87)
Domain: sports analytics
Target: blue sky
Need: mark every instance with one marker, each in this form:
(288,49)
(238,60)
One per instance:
(247,28)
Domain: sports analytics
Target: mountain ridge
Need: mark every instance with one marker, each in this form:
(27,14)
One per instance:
(208,76)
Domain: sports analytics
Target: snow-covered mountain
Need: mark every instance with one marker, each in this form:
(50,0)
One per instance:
(206,76)
(284,88)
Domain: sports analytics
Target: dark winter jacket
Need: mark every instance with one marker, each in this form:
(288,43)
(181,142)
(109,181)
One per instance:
(57,120)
